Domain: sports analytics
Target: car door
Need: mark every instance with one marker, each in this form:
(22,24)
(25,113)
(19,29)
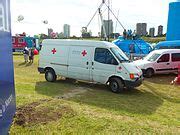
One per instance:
(175,58)
(104,65)
(162,65)
(79,62)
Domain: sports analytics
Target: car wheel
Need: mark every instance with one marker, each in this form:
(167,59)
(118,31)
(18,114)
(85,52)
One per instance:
(116,85)
(149,73)
(50,75)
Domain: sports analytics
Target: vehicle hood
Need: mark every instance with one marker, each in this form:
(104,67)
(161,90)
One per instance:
(141,63)
(132,68)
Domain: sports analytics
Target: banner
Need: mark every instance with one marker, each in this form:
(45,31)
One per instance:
(7,92)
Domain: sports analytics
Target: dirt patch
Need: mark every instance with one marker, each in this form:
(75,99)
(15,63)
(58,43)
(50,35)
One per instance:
(73,93)
(41,112)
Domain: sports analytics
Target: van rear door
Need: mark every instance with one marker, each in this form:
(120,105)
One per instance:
(79,62)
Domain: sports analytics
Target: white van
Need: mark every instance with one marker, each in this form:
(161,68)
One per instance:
(160,62)
(93,61)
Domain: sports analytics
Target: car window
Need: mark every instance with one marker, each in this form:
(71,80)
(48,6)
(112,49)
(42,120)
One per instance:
(163,58)
(104,56)
(175,57)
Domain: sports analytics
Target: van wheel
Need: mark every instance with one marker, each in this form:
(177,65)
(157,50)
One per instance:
(116,85)
(50,75)
(149,73)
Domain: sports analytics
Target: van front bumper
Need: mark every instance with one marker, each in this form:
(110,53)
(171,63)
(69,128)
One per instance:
(134,83)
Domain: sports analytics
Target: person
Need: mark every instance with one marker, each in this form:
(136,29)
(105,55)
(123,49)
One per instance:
(31,56)
(130,34)
(132,51)
(134,35)
(125,34)
(26,54)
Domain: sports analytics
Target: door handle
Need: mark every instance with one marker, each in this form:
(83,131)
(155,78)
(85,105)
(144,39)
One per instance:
(92,63)
(87,63)
(167,63)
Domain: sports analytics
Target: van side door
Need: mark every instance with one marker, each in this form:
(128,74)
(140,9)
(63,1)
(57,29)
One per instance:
(79,62)
(162,65)
(175,58)
(103,66)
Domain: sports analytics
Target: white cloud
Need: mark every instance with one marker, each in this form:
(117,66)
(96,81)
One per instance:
(77,13)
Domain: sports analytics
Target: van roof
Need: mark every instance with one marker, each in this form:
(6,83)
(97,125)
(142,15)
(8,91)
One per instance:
(78,42)
(175,42)
(167,51)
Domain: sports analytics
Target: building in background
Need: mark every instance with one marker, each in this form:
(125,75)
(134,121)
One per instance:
(107,24)
(50,30)
(66,30)
(160,30)
(151,32)
(61,35)
(141,29)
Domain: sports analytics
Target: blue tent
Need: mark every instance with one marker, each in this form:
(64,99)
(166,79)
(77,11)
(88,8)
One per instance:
(168,45)
(138,46)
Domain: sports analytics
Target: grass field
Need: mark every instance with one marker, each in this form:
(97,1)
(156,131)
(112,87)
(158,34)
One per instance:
(66,107)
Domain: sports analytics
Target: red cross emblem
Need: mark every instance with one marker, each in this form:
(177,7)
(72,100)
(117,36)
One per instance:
(84,53)
(54,51)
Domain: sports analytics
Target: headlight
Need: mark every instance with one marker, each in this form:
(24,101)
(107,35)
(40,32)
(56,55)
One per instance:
(133,76)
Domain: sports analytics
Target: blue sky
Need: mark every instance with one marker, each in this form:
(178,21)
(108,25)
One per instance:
(77,14)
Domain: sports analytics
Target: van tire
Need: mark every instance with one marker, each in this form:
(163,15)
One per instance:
(149,73)
(116,85)
(50,75)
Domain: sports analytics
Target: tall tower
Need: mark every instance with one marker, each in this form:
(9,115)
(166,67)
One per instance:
(66,30)
(141,29)
(151,32)
(173,28)
(160,30)
(108,24)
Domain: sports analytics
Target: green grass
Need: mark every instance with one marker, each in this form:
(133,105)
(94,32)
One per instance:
(152,108)
(154,39)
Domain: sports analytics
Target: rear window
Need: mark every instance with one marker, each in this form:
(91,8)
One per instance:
(175,57)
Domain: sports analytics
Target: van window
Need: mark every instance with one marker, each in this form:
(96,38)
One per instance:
(119,55)
(104,56)
(21,40)
(175,57)
(163,58)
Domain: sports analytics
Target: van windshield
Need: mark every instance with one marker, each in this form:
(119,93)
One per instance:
(119,55)
(152,57)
